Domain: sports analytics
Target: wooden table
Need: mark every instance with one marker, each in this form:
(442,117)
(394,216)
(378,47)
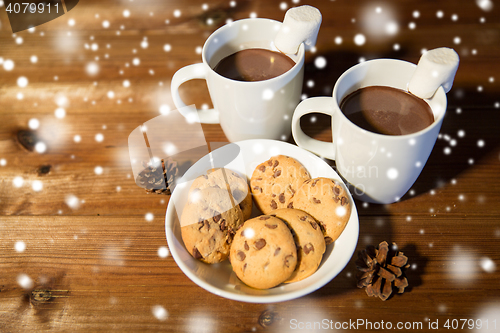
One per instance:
(82,248)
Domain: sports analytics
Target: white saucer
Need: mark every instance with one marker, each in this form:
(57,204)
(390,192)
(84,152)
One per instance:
(219,278)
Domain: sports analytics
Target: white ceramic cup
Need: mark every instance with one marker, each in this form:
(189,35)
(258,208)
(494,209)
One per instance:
(379,168)
(245,110)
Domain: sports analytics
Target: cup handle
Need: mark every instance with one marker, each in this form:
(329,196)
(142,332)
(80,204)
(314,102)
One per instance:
(313,105)
(191,72)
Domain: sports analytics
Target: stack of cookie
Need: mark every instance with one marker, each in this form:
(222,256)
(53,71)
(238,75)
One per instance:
(302,216)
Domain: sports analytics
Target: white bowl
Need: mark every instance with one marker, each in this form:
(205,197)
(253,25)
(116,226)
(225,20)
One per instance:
(219,279)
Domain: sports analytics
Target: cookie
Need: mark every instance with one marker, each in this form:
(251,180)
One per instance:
(308,238)
(263,252)
(221,177)
(209,221)
(328,202)
(275,181)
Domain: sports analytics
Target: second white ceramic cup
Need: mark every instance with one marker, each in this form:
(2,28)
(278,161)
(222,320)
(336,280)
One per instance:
(245,110)
(379,168)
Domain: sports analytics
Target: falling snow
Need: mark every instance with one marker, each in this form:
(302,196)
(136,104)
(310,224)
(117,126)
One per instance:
(18,181)
(72,201)
(359,39)
(92,68)
(320,62)
(60,113)
(163,252)
(20,246)
(33,123)
(8,65)
(25,281)
(40,147)
(485,5)
(37,185)
(22,81)
(159,312)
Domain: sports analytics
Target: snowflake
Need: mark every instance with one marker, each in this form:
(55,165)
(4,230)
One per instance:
(8,65)
(22,81)
(40,147)
(37,185)
(72,201)
(20,246)
(33,123)
(320,62)
(92,68)
(163,252)
(25,281)
(359,39)
(485,5)
(159,312)
(18,181)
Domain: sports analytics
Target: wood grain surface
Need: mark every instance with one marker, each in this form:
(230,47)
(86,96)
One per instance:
(82,247)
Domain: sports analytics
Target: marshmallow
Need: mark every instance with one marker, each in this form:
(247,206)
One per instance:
(435,68)
(301,24)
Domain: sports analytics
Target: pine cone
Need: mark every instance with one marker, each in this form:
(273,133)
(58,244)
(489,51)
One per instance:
(381,270)
(158,177)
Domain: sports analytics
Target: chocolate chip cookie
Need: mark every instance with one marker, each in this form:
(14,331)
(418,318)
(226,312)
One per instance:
(209,222)
(222,177)
(263,252)
(308,238)
(328,202)
(275,181)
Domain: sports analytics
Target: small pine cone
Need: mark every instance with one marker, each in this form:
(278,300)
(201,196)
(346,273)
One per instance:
(381,269)
(158,178)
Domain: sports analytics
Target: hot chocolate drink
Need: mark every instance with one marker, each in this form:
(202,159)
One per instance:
(387,110)
(254,65)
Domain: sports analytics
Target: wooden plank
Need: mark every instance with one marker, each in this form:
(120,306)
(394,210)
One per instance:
(113,269)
